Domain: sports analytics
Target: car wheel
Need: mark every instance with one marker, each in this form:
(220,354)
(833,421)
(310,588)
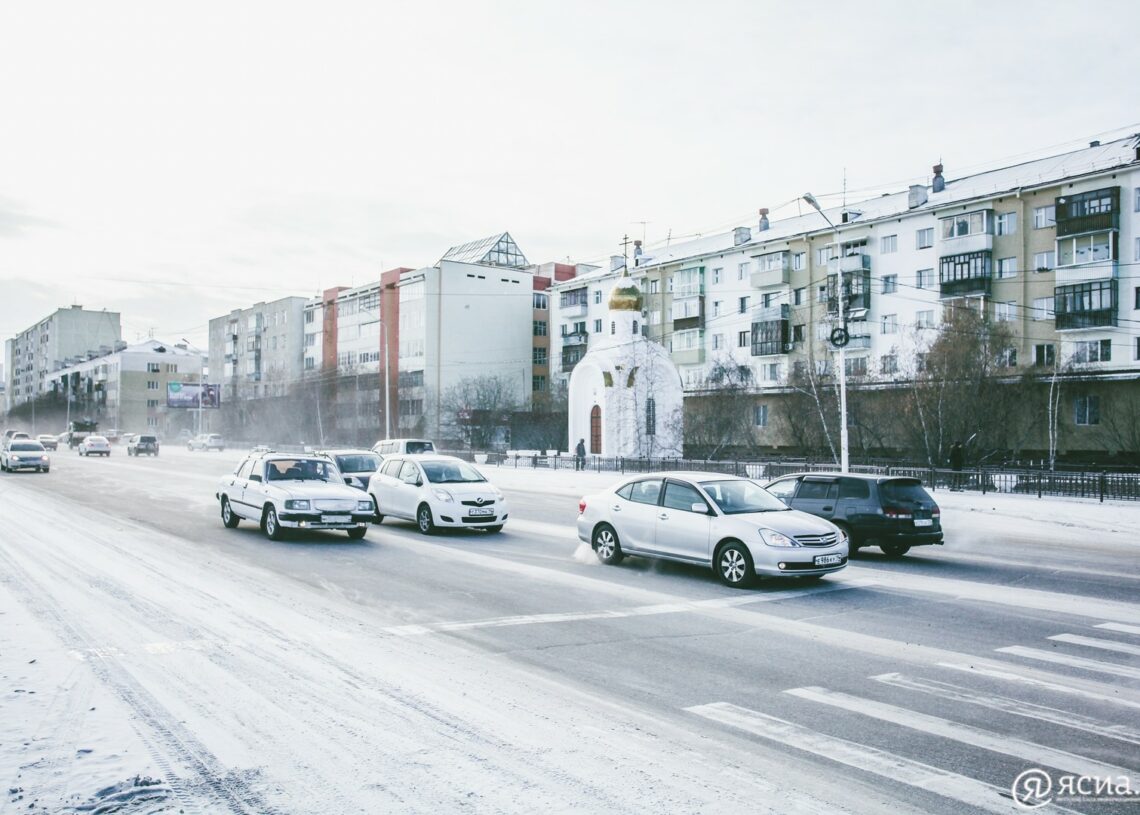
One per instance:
(357,532)
(495,528)
(377,517)
(272,525)
(894,550)
(607,546)
(229,517)
(734,565)
(424,520)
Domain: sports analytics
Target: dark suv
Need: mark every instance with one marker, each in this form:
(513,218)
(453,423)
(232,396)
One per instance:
(143,443)
(891,512)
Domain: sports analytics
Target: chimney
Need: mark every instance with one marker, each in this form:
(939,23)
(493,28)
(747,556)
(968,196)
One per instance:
(939,183)
(917,196)
(616,262)
(763,220)
(636,250)
(741,234)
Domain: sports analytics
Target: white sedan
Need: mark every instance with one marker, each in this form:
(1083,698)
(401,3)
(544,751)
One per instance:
(94,446)
(24,454)
(280,491)
(436,491)
(729,524)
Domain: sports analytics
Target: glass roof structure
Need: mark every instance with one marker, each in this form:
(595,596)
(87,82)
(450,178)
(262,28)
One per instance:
(497,250)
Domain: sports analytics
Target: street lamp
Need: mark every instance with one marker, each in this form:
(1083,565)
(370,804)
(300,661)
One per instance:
(201,382)
(843,339)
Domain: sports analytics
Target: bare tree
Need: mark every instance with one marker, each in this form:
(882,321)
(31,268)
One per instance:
(718,416)
(477,411)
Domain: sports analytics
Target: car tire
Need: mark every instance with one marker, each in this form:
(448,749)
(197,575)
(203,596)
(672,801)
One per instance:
(377,517)
(229,517)
(272,526)
(607,546)
(357,533)
(894,550)
(494,528)
(424,520)
(734,565)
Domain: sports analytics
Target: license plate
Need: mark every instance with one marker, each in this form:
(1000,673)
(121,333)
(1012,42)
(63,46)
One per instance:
(923,522)
(483,511)
(335,519)
(827,560)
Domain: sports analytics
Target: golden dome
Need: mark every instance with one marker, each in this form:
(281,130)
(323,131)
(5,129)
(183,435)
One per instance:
(625,296)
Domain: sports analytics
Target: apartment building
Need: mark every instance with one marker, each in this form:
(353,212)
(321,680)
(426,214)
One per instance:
(256,352)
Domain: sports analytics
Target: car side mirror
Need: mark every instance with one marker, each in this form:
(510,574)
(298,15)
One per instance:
(255,477)
(419,482)
(701,508)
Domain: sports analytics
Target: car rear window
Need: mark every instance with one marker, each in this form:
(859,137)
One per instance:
(420,447)
(904,490)
(147,439)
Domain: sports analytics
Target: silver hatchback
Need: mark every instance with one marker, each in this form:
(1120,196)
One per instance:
(730,524)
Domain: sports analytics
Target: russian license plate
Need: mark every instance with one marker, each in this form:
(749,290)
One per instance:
(827,560)
(923,522)
(481,511)
(335,519)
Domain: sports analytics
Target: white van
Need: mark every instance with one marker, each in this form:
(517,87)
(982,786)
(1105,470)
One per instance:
(387,447)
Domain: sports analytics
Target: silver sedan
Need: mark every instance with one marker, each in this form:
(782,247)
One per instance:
(729,524)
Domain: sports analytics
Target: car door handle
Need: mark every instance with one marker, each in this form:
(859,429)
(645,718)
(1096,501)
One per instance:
(664,516)
(828,509)
(616,507)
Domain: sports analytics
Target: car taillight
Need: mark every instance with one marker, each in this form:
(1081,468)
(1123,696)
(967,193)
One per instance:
(936,512)
(581,506)
(897,513)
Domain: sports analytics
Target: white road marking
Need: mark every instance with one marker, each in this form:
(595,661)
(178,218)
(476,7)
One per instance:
(1074,662)
(1124,629)
(1013,673)
(1038,754)
(975,794)
(1096,642)
(1017,707)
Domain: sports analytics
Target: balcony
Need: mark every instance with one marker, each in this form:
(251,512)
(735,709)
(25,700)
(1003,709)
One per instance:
(849,264)
(856,291)
(689,356)
(689,311)
(1085,305)
(1087,272)
(575,338)
(1095,211)
(762,314)
(572,310)
(771,337)
(775,270)
(969,243)
(570,358)
(969,273)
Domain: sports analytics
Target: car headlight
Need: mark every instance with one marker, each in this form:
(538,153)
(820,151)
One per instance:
(15,458)
(841,535)
(363,506)
(774,538)
(296,504)
(498,493)
(443,495)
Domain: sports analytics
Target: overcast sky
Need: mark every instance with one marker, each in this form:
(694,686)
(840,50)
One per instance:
(175,161)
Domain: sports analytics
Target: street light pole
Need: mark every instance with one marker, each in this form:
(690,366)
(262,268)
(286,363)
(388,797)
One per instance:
(843,459)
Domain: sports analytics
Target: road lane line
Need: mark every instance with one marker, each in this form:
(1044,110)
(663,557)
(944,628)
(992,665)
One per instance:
(1014,673)
(1037,754)
(1095,642)
(1073,662)
(1004,704)
(1124,629)
(969,791)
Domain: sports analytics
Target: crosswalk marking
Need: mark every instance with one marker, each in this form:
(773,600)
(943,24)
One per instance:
(1096,642)
(1038,754)
(977,794)
(1017,707)
(1074,662)
(1121,627)
(1108,694)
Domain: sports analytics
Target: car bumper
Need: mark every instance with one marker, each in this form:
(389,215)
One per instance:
(315,520)
(798,561)
(909,538)
(450,517)
(28,465)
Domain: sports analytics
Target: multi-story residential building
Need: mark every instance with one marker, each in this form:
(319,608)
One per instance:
(256,352)
(52,343)
(1040,245)
(545,368)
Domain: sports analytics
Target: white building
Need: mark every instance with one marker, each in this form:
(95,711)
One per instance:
(256,352)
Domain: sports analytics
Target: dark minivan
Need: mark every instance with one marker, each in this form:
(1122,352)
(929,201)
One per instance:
(891,512)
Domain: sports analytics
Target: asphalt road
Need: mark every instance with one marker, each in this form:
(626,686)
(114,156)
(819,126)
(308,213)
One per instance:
(921,685)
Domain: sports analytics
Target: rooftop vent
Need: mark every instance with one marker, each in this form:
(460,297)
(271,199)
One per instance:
(616,262)
(917,196)
(939,183)
(637,249)
(741,234)
(1094,143)
(763,220)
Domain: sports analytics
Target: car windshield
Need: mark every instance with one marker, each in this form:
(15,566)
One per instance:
(27,446)
(905,491)
(358,463)
(738,495)
(302,469)
(451,472)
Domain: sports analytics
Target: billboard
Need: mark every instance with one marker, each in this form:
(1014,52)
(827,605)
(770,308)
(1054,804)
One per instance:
(185,395)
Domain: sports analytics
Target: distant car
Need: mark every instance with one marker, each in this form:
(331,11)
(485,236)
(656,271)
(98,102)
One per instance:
(206,441)
(261,448)
(185,435)
(387,447)
(142,443)
(355,466)
(279,491)
(9,435)
(48,441)
(729,524)
(437,491)
(891,512)
(24,454)
(94,446)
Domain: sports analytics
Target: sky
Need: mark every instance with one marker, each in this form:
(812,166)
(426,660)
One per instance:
(176,161)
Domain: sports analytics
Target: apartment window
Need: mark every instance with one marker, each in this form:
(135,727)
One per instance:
(717,305)
(798,333)
(821,294)
(542,301)
(273,343)
(310,340)
(924,238)
(1085,305)
(152,367)
(152,385)
(650,417)
(1087,410)
(743,339)
(597,297)
(539,328)
(310,363)
(888,244)
(1137,207)
(822,330)
(742,270)
(889,324)
(538,356)
(1092,351)
(798,260)
(924,319)
(1007,267)
(1136,294)
(1006,223)
(1044,355)
(890,283)
(1044,217)
(538,383)
(1084,249)
(766,298)
(1044,261)
(1136,251)
(889,364)
(654,286)
(760,415)
(1004,312)
(743,305)
(798,296)
(771,371)
(968,223)
(1136,355)
(152,421)
(1043,308)
(718,342)
(570,299)
(920,361)
(1007,358)
(856,366)
(823,255)
(924,279)
(152,403)
(598,326)
(717,275)
(308,316)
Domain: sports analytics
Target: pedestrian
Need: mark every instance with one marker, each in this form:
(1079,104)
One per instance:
(580,455)
(956,456)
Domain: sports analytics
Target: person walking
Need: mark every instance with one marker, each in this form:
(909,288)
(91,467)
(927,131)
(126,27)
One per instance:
(580,455)
(957,454)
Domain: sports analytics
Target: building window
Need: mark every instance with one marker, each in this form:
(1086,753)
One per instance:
(716,308)
(889,324)
(152,403)
(1008,358)
(1006,223)
(743,339)
(654,286)
(798,333)
(743,269)
(1136,294)
(1137,353)
(798,296)
(650,417)
(1004,312)
(1087,410)
(890,283)
(718,341)
(1084,249)
(924,319)
(541,301)
(1043,308)
(766,299)
(888,244)
(821,294)
(595,430)
(613,327)
(539,328)
(771,371)
(823,255)
(1044,261)
(924,279)
(310,363)
(924,238)
(743,305)
(538,383)
(716,275)
(760,415)
(1085,305)
(798,261)
(889,365)
(310,340)
(634,326)
(920,361)
(1136,251)
(1137,208)
(151,385)
(968,223)
(598,326)
(597,297)
(1007,267)
(1092,351)
(539,356)
(1044,355)
(856,366)
(1044,217)
(152,367)
(570,299)
(308,316)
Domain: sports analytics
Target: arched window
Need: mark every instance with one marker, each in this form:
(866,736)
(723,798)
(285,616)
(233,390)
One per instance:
(595,431)
(635,326)
(650,417)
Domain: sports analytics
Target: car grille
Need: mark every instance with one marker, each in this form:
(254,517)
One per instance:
(485,502)
(334,505)
(817,540)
